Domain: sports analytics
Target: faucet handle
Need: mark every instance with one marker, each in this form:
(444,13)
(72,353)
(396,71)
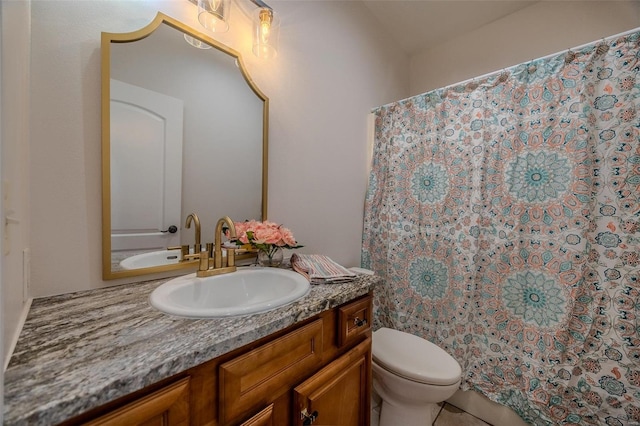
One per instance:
(204,261)
(231,256)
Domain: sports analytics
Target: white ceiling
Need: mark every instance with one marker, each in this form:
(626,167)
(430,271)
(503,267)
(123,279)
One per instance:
(417,25)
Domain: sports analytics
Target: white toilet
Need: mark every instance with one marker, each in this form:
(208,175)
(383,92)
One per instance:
(411,375)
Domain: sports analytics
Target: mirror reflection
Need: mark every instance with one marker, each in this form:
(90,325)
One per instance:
(184,131)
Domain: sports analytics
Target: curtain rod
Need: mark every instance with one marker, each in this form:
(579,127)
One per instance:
(490,74)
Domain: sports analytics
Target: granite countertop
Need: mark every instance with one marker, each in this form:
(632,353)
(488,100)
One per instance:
(81,350)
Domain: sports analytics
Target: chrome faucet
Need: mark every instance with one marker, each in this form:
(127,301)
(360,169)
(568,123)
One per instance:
(220,265)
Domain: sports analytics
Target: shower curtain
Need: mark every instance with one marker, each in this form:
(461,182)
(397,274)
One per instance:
(504,217)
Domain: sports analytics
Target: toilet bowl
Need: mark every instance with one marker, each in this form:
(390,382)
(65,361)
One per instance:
(411,375)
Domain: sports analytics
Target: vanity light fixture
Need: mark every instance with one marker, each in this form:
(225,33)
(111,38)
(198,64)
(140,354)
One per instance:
(265,33)
(214,16)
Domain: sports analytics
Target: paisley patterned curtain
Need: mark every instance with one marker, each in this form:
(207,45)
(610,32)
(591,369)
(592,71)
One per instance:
(504,216)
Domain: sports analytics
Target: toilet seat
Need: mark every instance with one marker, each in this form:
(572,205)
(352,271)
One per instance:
(414,358)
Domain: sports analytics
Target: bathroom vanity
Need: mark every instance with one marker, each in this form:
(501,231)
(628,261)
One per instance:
(106,357)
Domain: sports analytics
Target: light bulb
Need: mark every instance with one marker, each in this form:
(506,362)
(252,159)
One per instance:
(266,16)
(265,33)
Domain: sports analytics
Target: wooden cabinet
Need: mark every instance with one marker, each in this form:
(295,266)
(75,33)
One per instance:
(354,321)
(250,380)
(263,418)
(167,406)
(322,364)
(338,394)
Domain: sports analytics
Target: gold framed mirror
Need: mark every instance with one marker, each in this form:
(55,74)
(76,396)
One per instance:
(184,130)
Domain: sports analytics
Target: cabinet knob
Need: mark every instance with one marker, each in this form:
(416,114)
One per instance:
(307,418)
(359,322)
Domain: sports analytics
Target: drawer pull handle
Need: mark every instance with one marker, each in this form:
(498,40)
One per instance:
(308,418)
(359,322)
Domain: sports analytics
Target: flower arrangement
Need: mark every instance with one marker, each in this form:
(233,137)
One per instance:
(266,237)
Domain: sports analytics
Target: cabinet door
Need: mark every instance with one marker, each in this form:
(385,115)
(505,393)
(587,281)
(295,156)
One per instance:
(167,406)
(252,380)
(339,394)
(263,418)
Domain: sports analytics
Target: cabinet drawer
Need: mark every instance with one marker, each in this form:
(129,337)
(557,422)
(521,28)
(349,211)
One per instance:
(354,319)
(251,380)
(169,405)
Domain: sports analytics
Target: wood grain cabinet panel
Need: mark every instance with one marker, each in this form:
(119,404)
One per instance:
(338,394)
(263,418)
(354,320)
(249,380)
(167,406)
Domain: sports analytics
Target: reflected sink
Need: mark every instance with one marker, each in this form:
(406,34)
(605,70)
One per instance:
(249,290)
(154,258)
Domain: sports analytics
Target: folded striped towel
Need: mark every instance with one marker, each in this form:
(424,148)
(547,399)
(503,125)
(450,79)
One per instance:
(319,269)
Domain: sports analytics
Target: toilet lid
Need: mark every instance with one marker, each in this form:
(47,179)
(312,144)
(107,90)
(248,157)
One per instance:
(414,358)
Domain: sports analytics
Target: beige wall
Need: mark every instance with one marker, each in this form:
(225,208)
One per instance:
(544,28)
(333,67)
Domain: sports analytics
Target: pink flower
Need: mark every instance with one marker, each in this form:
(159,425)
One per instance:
(241,230)
(287,237)
(263,235)
(267,235)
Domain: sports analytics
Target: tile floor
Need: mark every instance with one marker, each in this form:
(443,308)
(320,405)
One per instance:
(447,415)
(450,415)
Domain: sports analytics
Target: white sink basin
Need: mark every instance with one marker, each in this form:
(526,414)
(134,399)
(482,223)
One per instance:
(246,291)
(154,258)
